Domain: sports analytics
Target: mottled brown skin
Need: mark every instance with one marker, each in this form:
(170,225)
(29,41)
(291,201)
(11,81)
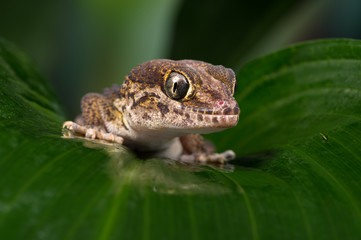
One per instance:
(142,115)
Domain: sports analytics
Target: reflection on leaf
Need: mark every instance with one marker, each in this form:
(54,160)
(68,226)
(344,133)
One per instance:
(164,176)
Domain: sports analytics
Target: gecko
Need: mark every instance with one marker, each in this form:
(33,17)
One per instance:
(161,109)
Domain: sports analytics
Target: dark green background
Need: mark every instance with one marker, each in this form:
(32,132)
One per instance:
(85,46)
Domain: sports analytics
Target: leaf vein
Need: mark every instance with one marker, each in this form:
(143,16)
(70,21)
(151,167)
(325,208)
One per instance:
(332,178)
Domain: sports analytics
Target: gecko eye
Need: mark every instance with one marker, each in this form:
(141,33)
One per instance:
(176,86)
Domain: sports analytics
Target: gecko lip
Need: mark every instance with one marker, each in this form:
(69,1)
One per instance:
(222,121)
(207,123)
(209,119)
(215,111)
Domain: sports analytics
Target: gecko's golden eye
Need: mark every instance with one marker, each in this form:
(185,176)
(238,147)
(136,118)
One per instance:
(176,86)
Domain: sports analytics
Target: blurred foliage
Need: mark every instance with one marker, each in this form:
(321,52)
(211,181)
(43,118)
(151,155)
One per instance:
(87,45)
(220,31)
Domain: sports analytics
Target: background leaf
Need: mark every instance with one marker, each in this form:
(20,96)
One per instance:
(85,46)
(300,185)
(231,32)
(298,92)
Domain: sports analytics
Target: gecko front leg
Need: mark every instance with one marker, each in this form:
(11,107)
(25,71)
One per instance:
(91,124)
(72,129)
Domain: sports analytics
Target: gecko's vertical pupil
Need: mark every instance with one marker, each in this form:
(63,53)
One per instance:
(176,86)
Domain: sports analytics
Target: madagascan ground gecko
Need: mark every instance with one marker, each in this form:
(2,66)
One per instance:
(162,108)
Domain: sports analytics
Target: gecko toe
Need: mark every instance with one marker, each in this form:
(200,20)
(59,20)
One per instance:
(91,133)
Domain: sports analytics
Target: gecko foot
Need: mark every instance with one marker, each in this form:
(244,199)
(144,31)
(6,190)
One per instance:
(73,130)
(208,158)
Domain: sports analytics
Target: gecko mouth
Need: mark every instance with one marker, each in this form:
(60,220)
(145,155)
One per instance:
(206,123)
(206,120)
(212,111)
(222,121)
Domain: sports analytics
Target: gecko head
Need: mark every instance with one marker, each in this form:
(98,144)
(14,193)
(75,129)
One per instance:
(184,96)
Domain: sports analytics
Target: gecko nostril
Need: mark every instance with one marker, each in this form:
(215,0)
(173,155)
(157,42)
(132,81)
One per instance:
(220,103)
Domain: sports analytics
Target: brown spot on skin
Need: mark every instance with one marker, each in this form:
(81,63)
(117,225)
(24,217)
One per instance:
(163,108)
(236,110)
(227,111)
(146,116)
(215,120)
(132,78)
(154,95)
(187,115)
(109,113)
(200,117)
(201,110)
(131,95)
(142,100)
(208,111)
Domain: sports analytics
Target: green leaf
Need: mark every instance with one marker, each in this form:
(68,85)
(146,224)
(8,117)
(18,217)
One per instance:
(298,92)
(300,121)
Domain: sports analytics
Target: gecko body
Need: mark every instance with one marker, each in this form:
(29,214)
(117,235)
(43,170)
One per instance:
(162,107)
